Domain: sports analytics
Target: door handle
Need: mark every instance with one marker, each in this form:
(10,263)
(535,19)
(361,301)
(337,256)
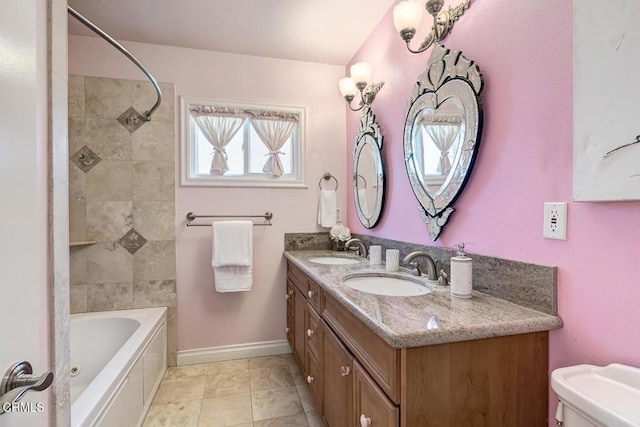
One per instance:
(18,380)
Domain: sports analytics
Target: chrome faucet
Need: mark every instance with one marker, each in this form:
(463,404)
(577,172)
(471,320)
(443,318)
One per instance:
(361,247)
(432,273)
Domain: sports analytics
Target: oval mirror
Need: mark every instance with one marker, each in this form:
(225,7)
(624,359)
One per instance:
(368,171)
(442,132)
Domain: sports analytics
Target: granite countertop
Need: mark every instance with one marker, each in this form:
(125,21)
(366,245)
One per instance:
(416,321)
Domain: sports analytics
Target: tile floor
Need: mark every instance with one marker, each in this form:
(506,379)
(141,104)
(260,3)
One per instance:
(259,392)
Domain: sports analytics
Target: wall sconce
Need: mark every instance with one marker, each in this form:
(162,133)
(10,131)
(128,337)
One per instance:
(408,14)
(359,82)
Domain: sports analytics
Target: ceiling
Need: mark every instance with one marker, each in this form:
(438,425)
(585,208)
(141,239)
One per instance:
(324,31)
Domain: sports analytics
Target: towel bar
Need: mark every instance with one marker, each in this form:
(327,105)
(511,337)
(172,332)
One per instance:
(192,216)
(327,176)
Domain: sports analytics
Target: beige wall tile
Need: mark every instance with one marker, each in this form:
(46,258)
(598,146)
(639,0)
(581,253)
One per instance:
(154,220)
(155,261)
(182,414)
(76,96)
(226,411)
(108,139)
(106,98)
(77,134)
(77,184)
(144,96)
(109,263)
(77,221)
(157,293)
(109,180)
(153,181)
(154,142)
(108,221)
(78,264)
(109,296)
(78,298)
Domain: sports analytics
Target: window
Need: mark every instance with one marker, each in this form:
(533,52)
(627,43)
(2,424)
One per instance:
(231,144)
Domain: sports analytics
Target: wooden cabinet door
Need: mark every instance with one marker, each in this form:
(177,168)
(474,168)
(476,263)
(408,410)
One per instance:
(372,406)
(338,381)
(290,296)
(299,313)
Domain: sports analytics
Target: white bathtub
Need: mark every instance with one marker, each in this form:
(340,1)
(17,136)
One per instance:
(117,361)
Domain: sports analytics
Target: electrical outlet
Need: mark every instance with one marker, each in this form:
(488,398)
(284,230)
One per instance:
(555,220)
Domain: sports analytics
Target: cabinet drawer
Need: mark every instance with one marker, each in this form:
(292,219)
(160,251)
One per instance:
(298,278)
(372,407)
(313,295)
(381,361)
(313,333)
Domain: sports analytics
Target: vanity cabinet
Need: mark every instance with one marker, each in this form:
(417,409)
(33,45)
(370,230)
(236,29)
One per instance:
(357,379)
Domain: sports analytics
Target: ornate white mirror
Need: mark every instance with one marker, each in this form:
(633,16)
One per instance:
(368,170)
(442,132)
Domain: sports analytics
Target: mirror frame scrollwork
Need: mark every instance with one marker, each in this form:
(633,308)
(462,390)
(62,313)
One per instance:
(449,74)
(369,135)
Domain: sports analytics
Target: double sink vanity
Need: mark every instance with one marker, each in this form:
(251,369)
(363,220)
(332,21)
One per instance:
(389,349)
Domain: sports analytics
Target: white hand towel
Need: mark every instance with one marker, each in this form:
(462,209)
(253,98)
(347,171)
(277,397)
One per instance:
(232,243)
(232,255)
(327,208)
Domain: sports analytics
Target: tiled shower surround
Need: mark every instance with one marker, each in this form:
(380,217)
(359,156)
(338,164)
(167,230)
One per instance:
(121,198)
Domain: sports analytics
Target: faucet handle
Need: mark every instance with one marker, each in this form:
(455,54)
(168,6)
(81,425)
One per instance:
(415,268)
(443,277)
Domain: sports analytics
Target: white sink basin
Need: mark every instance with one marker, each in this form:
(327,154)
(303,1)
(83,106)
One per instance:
(396,286)
(333,260)
(594,395)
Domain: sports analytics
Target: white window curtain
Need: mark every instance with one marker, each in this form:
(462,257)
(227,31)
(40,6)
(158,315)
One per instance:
(443,137)
(219,130)
(274,130)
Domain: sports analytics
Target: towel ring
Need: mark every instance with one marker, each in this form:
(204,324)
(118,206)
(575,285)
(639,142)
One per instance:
(363,180)
(327,176)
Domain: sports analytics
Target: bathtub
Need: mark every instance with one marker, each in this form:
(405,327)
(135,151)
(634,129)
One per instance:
(117,361)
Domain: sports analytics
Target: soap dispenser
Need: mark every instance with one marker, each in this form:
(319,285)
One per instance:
(461,274)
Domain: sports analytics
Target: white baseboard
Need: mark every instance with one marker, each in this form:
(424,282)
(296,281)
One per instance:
(230,352)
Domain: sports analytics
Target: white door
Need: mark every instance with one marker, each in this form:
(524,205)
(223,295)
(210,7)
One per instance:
(24,307)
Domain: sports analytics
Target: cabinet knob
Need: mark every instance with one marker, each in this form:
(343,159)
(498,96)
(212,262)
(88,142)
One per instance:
(309,332)
(309,379)
(364,421)
(287,329)
(290,291)
(310,294)
(345,370)
(287,296)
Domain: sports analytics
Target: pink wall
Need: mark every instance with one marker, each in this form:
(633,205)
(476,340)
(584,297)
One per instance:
(524,50)
(206,318)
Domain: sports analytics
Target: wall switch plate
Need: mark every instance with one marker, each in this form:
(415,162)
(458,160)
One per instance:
(555,220)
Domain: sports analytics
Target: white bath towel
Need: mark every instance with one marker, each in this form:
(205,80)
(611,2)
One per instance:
(232,255)
(327,208)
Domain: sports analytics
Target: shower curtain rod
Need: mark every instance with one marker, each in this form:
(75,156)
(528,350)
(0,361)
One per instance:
(125,52)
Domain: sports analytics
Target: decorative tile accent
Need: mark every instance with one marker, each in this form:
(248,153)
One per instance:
(85,159)
(131,120)
(132,241)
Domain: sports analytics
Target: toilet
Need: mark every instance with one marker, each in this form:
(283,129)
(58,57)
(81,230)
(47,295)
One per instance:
(597,396)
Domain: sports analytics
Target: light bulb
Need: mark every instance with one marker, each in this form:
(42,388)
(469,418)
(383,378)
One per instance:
(407,14)
(361,73)
(347,87)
